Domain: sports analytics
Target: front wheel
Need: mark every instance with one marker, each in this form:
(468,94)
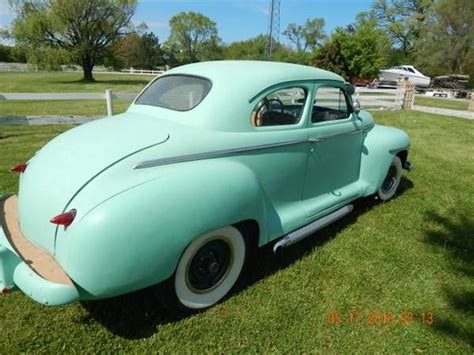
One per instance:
(392,180)
(209,268)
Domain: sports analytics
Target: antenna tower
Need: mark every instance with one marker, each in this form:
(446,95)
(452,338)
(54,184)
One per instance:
(273,26)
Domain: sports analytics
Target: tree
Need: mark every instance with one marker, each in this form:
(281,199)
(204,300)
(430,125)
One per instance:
(6,53)
(402,19)
(139,51)
(256,49)
(253,48)
(192,35)
(446,44)
(364,49)
(356,51)
(295,35)
(308,36)
(288,55)
(330,55)
(150,54)
(84,29)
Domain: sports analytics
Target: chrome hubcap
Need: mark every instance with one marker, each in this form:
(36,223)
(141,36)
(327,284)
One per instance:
(390,180)
(209,265)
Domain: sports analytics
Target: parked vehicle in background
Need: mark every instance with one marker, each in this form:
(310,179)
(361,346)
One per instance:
(361,81)
(439,93)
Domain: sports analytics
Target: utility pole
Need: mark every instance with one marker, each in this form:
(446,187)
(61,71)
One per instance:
(273,26)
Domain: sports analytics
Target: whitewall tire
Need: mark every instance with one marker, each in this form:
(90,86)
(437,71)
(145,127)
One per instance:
(391,181)
(209,268)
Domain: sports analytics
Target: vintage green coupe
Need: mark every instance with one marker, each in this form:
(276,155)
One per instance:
(210,160)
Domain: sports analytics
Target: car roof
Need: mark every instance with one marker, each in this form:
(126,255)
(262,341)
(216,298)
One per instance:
(236,84)
(256,75)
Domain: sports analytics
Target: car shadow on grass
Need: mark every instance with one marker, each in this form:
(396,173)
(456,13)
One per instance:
(454,237)
(139,314)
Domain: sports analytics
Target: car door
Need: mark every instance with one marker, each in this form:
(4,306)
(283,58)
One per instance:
(279,119)
(334,148)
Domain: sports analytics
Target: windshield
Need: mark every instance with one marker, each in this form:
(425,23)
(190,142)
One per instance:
(175,92)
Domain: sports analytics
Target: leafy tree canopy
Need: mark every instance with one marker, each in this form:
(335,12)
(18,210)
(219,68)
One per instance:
(138,50)
(79,31)
(402,19)
(446,43)
(193,37)
(253,48)
(307,36)
(356,51)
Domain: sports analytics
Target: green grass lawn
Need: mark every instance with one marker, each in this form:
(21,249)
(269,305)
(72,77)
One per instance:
(70,82)
(413,254)
(442,103)
(59,107)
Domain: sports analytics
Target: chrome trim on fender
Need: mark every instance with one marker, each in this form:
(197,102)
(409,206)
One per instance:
(214,154)
(368,128)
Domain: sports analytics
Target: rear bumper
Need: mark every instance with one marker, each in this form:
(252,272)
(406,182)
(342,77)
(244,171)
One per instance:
(27,266)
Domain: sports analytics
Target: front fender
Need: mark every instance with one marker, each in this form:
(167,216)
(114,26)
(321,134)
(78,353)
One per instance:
(134,239)
(381,144)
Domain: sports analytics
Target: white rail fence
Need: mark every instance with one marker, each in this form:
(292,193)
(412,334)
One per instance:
(21,67)
(372,99)
(139,71)
(380,99)
(108,96)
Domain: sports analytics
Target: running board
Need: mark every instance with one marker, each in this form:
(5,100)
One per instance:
(309,229)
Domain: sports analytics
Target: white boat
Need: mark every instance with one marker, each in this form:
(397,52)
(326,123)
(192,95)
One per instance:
(395,74)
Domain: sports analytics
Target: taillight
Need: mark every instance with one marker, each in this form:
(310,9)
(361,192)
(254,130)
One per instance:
(64,219)
(19,168)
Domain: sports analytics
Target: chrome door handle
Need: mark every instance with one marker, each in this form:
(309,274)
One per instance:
(314,140)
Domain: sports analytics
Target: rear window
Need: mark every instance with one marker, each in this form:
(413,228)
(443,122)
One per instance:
(175,92)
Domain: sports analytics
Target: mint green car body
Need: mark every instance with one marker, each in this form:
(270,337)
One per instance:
(133,224)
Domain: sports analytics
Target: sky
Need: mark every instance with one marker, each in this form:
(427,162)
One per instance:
(236,19)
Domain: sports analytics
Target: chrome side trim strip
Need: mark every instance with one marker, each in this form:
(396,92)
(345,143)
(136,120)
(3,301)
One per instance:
(309,229)
(213,154)
(319,139)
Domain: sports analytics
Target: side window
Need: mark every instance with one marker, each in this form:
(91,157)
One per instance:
(281,107)
(330,103)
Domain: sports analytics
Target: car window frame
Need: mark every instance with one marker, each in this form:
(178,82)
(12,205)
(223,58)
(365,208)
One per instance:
(305,85)
(348,100)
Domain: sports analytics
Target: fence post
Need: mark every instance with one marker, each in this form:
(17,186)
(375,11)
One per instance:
(471,103)
(110,104)
(400,97)
(407,94)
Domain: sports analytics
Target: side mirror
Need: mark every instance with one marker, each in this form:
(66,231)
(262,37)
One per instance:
(356,106)
(349,89)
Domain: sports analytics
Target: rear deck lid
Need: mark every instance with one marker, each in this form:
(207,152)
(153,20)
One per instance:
(71,160)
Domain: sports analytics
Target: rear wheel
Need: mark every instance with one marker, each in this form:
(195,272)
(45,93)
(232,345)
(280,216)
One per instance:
(209,268)
(391,181)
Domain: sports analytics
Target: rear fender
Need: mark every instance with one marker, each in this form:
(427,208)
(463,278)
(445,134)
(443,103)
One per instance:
(134,239)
